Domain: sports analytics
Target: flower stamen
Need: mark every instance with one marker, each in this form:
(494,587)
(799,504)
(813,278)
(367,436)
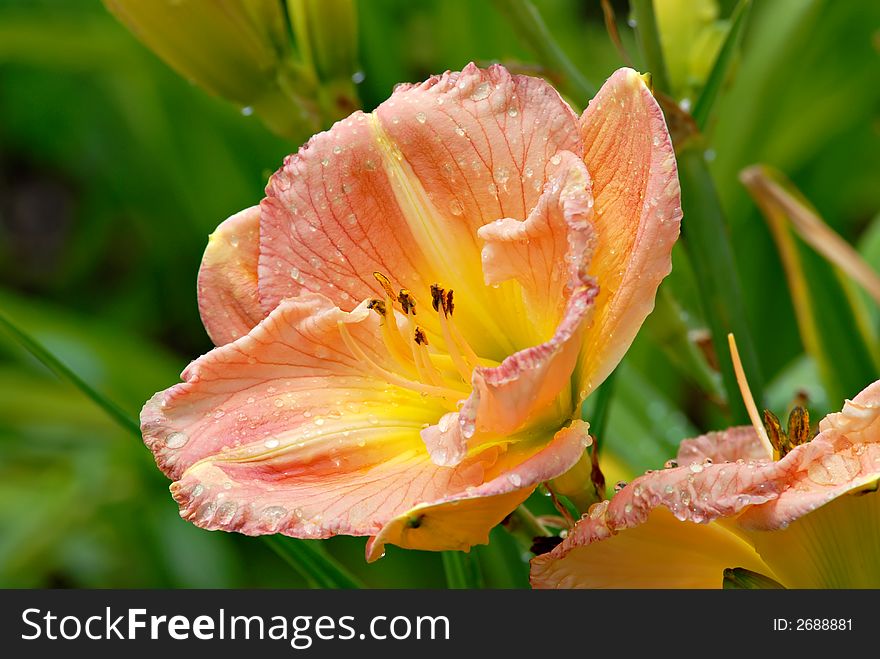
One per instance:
(448,394)
(748,399)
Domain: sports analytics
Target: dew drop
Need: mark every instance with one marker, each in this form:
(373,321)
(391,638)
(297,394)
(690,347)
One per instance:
(421,117)
(271,443)
(455,207)
(481,91)
(512,112)
(515,479)
(176,440)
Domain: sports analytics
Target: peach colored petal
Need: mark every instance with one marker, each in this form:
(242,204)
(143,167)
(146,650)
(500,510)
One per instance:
(291,374)
(461,520)
(637,213)
(519,393)
(781,507)
(662,553)
(228,300)
(740,443)
(816,473)
(324,486)
(479,141)
(282,431)
(547,253)
(403,191)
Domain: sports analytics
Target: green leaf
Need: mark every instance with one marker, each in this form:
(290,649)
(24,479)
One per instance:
(669,330)
(310,559)
(828,314)
(463,570)
(532,30)
(739,578)
(306,556)
(721,68)
(708,245)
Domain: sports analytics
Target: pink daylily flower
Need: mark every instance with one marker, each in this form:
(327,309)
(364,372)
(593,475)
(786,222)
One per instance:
(408,322)
(808,520)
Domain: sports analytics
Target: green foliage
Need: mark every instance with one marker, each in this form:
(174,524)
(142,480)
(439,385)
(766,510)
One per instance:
(113,170)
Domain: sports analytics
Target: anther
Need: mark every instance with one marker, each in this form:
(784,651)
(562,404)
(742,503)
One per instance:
(407,302)
(420,337)
(777,435)
(437,296)
(799,426)
(378,306)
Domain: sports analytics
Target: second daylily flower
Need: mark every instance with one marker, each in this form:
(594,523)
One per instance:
(808,519)
(409,321)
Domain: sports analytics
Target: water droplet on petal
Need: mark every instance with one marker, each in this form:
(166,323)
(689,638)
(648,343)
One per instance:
(515,479)
(481,91)
(176,439)
(420,117)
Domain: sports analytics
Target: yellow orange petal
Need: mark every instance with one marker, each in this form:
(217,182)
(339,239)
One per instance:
(464,519)
(637,213)
(661,553)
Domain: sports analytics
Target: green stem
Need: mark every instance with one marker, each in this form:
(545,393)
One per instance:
(527,521)
(527,22)
(462,570)
(649,41)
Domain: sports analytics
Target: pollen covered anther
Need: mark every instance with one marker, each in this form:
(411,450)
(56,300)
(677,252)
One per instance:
(378,306)
(420,337)
(799,426)
(407,302)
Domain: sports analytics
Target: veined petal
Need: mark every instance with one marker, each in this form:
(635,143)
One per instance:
(403,191)
(661,553)
(461,520)
(739,443)
(637,213)
(522,391)
(228,299)
(284,431)
(291,374)
(548,253)
(843,457)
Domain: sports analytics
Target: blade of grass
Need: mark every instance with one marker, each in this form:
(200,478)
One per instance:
(462,570)
(60,369)
(649,41)
(720,69)
(310,561)
(530,27)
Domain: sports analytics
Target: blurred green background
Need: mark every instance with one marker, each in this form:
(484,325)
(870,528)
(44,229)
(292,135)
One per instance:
(114,169)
